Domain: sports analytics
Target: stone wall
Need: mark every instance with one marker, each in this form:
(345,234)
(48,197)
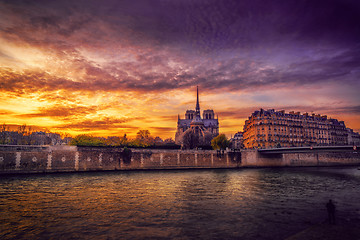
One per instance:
(29,159)
(252,158)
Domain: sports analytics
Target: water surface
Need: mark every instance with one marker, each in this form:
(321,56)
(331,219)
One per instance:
(198,204)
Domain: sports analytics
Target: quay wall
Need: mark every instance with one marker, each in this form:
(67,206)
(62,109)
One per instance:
(32,159)
(253,158)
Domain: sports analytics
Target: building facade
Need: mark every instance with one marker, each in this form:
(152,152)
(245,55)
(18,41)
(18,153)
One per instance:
(270,128)
(202,128)
(237,140)
(353,137)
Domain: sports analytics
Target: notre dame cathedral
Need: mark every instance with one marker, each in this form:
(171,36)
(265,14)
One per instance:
(194,131)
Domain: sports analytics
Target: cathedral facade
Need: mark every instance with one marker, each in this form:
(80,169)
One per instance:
(194,130)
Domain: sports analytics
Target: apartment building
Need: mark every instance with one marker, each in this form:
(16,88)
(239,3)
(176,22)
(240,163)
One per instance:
(270,128)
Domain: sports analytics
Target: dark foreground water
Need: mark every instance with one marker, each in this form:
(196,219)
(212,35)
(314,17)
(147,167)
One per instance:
(203,204)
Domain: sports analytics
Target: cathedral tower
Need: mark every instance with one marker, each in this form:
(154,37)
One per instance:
(197,109)
(203,129)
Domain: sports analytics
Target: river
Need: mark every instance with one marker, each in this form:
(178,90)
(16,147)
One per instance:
(262,203)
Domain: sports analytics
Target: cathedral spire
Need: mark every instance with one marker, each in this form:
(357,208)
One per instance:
(197,109)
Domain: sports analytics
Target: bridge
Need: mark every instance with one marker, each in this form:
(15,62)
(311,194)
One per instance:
(309,149)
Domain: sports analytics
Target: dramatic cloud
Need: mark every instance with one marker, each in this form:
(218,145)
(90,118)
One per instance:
(103,124)
(63,112)
(83,64)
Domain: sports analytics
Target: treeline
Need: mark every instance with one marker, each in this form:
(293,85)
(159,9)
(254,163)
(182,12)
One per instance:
(25,135)
(143,139)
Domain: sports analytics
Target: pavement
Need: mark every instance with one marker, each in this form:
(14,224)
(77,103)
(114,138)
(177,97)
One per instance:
(344,229)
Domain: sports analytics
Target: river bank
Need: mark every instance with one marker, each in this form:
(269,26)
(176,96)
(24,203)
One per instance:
(48,159)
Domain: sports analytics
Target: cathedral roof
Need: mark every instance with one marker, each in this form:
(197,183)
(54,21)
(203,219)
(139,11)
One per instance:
(197,121)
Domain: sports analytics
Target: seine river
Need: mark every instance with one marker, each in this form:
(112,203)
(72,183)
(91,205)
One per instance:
(199,204)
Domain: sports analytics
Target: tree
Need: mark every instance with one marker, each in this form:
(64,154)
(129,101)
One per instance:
(63,134)
(158,141)
(220,142)
(86,140)
(143,139)
(190,140)
(4,128)
(24,135)
(4,134)
(169,141)
(113,141)
(143,134)
(22,129)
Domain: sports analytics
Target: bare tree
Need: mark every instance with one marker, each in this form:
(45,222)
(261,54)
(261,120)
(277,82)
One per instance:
(4,134)
(190,140)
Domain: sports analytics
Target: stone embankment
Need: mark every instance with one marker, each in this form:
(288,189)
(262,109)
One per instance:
(253,158)
(27,159)
(32,159)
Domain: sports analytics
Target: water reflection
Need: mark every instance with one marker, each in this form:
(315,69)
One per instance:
(211,204)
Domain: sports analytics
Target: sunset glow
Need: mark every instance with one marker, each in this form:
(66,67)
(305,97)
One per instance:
(109,68)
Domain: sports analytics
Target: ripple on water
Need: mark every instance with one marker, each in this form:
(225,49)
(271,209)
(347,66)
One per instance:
(224,204)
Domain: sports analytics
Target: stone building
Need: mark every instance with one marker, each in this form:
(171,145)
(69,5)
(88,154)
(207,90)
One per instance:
(270,128)
(199,131)
(237,140)
(353,137)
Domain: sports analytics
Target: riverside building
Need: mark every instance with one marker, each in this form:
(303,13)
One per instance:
(204,129)
(237,140)
(353,137)
(270,128)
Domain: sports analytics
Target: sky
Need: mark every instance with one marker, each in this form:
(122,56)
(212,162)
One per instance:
(110,67)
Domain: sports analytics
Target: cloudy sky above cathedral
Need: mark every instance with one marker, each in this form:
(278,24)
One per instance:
(112,67)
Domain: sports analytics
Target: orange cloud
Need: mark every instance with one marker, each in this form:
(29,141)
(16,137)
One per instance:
(122,67)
